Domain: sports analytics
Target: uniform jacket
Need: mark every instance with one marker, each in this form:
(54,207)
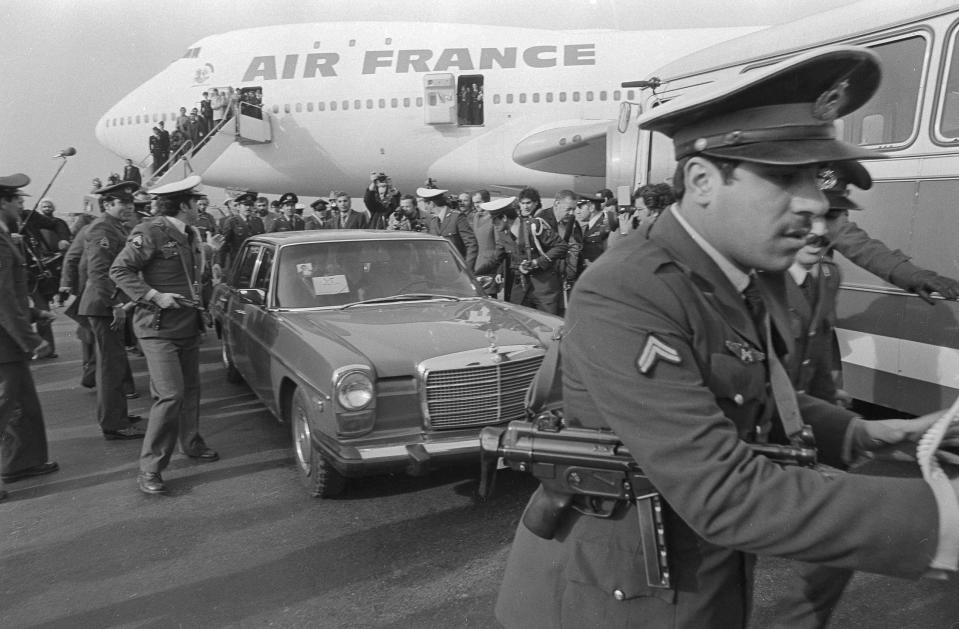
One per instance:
(157,256)
(235,231)
(206,224)
(455,227)
(103,241)
(595,237)
(71,276)
(353,220)
(873,255)
(132,173)
(812,318)
(485,232)
(293,224)
(685,421)
(17,338)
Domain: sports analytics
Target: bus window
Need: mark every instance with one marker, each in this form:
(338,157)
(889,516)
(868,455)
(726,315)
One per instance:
(948,127)
(890,115)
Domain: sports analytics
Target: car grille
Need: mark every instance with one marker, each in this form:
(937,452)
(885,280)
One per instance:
(478,396)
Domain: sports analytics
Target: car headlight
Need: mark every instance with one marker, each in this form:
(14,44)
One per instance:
(354,390)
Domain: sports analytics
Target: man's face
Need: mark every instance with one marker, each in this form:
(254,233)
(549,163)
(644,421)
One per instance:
(527,207)
(812,252)
(408,206)
(759,219)
(11,208)
(287,209)
(262,208)
(245,210)
(562,207)
(581,212)
(182,111)
(466,202)
(343,204)
(188,211)
(477,199)
(46,207)
(118,208)
(202,205)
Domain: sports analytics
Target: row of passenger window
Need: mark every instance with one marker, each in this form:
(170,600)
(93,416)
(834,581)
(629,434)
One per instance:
(397,103)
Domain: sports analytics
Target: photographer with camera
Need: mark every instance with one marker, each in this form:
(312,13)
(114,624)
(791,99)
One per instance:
(381,199)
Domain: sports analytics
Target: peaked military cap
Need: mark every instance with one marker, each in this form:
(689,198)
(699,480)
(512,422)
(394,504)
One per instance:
(11,184)
(834,180)
(183,187)
(247,198)
(320,204)
(142,198)
(430,193)
(123,190)
(289,197)
(494,206)
(782,115)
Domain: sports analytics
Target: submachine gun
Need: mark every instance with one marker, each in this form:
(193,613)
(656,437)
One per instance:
(591,471)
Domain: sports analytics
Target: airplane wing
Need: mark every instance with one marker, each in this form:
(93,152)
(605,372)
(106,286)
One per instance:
(569,147)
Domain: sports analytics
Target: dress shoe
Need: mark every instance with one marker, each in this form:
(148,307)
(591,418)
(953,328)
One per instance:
(131,396)
(134,418)
(204,454)
(37,470)
(151,483)
(130,432)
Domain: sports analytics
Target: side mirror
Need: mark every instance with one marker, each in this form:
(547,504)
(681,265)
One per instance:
(625,114)
(255,296)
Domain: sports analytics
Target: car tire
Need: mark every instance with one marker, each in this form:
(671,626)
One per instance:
(317,473)
(232,375)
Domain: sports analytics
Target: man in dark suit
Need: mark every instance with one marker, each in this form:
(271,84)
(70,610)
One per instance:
(670,344)
(346,217)
(102,303)
(132,173)
(23,436)
(160,268)
(450,224)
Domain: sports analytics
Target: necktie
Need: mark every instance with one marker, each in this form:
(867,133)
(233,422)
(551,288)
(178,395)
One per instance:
(755,306)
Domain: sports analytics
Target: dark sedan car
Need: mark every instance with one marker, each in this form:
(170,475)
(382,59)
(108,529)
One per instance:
(379,348)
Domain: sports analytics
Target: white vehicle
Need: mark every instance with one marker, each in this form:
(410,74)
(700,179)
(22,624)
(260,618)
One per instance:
(467,105)
(897,351)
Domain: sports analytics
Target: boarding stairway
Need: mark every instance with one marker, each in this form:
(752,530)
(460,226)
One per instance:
(251,125)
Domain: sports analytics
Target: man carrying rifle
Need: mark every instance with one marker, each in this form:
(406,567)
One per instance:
(160,268)
(681,357)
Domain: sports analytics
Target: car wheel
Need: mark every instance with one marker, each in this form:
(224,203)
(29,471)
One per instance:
(317,473)
(232,375)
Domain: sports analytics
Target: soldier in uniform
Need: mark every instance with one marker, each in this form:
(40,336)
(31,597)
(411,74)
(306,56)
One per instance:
(450,224)
(322,217)
(101,302)
(288,220)
(531,253)
(23,436)
(238,228)
(677,342)
(205,223)
(160,268)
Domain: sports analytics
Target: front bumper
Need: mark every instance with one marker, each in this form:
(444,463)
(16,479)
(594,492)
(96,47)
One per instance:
(413,458)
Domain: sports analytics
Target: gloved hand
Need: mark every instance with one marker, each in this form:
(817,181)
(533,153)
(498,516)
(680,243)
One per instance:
(119,318)
(924,283)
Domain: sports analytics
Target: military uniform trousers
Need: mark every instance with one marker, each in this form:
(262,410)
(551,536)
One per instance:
(174,365)
(539,290)
(23,436)
(113,375)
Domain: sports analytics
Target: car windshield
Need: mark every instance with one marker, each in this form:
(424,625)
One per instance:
(318,274)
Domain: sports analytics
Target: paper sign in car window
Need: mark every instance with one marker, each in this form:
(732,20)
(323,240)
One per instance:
(330,285)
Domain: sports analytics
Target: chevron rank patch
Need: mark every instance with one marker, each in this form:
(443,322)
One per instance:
(137,241)
(653,351)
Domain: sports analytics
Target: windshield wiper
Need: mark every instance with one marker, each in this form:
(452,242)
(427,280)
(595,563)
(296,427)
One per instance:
(404,297)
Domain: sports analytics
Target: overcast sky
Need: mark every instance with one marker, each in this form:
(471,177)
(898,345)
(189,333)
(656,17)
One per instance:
(65,62)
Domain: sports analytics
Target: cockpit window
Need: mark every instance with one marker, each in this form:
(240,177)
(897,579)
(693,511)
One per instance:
(191,53)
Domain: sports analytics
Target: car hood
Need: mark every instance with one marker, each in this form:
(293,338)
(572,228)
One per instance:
(394,338)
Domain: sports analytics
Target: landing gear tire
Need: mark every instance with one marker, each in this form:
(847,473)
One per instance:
(316,472)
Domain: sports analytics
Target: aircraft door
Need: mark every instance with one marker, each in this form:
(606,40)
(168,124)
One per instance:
(469,100)
(440,98)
